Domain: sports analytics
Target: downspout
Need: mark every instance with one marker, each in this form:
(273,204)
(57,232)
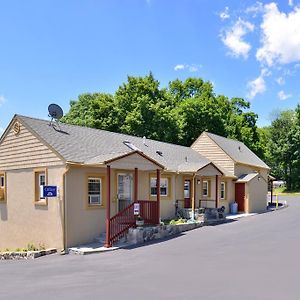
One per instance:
(64,223)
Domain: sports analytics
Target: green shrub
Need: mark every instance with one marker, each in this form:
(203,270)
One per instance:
(31,247)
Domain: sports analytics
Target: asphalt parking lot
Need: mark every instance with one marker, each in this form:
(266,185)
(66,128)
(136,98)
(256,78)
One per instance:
(254,258)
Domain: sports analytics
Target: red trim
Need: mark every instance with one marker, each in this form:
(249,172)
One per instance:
(135,195)
(217,198)
(108,241)
(158,194)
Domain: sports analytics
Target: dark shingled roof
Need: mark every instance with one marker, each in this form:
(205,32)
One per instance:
(238,151)
(88,145)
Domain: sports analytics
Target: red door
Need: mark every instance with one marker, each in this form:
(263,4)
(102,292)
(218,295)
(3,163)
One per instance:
(240,196)
(187,194)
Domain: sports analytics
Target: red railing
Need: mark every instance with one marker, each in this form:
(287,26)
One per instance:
(148,212)
(125,219)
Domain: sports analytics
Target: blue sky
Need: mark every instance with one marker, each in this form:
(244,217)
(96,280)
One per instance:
(52,51)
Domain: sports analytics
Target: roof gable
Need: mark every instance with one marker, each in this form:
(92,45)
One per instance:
(237,150)
(20,147)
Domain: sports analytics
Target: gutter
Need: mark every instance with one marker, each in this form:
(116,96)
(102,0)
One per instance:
(64,223)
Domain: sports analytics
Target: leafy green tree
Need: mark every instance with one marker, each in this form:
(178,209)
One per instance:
(178,113)
(93,110)
(280,146)
(145,110)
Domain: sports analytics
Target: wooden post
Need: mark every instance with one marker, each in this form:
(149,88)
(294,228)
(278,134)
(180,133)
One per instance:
(135,195)
(158,194)
(217,200)
(193,192)
(271,181)
(107,240)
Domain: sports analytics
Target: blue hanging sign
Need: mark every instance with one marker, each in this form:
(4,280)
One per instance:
(49,191)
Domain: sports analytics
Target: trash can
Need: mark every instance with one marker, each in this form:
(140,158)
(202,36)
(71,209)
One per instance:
(233,208)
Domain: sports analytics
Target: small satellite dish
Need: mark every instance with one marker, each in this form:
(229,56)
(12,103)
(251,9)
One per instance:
(55,111)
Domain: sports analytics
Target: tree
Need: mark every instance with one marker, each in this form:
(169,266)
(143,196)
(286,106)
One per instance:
(177,114)
(145,110)
(281,146)
(93,110)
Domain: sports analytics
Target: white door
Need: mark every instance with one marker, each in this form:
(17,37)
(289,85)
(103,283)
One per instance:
(125,190)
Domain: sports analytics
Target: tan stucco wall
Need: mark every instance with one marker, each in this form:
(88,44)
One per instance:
(83,223)
(256,190)
(230,193)
(257,195)
(22,221)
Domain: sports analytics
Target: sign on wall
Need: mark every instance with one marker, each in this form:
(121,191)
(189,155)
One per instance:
(136,209)
(49,191)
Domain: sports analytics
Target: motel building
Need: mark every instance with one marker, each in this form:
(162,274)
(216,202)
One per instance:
(94,178)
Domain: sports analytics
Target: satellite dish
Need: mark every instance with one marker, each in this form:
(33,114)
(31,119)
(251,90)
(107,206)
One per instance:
(55,111)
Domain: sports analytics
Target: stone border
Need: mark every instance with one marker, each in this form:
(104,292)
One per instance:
(145,234)
(15,255)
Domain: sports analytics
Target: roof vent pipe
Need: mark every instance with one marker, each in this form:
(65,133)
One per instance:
(144,140)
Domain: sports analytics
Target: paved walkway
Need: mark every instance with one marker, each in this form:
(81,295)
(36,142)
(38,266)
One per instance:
(252,258)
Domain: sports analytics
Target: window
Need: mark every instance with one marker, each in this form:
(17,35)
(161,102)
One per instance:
(223,190)
(131,146)
(2,181)
(164,182)
(2,187)
(40,182)
(94,191)
(205,188)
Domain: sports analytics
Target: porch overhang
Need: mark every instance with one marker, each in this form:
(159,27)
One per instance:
(245,178)
(125,160)
(201,169)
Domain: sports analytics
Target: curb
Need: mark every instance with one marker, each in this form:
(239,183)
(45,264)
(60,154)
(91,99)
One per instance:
(26,255)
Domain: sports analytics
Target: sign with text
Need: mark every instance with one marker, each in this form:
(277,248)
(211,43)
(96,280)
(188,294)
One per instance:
(49,191)
(136,209)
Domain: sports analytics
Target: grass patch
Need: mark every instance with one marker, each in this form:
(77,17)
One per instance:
(283,191)
(174,221)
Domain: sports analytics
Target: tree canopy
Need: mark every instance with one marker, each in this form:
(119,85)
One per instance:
(283,147)
(178,113)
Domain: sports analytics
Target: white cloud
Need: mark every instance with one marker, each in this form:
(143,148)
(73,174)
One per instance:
(283,96)
(280,80)
(179,67)
(291,2)
(296,66)
(258,85)
(233,38)
(224,14)
(191,68)
(255,8)
(2,100)
(280,36)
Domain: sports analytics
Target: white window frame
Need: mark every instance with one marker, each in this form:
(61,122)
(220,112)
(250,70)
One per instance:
(222,190)
(163,181)
(90,194)
(205,182)
(42,182)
